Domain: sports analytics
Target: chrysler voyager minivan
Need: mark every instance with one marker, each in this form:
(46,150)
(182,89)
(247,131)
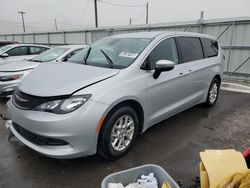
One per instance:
(122,85)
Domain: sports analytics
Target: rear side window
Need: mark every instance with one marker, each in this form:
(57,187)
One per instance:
(210,47)
(190,48)
(36,50)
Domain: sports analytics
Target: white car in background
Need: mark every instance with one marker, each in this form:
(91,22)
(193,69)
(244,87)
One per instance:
(16,52)
(11,73)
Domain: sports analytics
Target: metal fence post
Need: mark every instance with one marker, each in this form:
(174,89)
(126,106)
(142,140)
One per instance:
(110,32)
(85,37)
(230,46)
(22,38)
(64,38)
(48,39)
(91,34)
(186,28)
(201,27)
(34,38)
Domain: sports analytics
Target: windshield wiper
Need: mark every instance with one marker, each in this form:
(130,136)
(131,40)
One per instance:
(107,57)
(87,55)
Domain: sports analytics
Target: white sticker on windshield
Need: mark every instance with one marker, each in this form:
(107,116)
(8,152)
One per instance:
(128,54)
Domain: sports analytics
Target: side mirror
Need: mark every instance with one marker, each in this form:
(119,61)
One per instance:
(162,66)
(4,55)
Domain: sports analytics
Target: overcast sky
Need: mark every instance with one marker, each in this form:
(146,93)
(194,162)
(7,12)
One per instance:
(79,14)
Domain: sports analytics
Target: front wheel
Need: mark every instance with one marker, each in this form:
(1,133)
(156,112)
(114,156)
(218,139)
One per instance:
(213,93)
(118,133)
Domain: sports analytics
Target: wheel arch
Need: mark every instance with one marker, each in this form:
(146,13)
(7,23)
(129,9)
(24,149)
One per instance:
(134,104)
(218,77)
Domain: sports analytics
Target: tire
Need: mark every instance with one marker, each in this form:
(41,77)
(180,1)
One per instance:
(213,93)
(112,133)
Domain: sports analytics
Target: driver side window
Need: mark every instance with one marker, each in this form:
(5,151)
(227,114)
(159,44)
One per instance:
(165,50)
(18,51)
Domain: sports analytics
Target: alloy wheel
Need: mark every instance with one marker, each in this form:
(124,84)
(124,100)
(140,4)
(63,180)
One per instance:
(122,133)
(213,93)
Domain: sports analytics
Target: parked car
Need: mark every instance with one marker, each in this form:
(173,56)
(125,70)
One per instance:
(15,52)
(12,73)
(124,85)
(7,42)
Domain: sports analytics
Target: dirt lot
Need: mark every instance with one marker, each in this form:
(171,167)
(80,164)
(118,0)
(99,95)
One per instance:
(173,144)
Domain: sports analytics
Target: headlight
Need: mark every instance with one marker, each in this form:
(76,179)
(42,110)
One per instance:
(10,77)
(63,106)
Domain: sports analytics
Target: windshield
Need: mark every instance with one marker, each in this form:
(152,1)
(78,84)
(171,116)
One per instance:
(78,57)
(4,48)
(111,52)
(50,55)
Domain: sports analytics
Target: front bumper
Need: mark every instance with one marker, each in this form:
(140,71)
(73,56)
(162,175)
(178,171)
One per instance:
(77,129)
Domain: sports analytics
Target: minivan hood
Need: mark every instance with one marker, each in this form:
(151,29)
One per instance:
(55,79)
(17,66)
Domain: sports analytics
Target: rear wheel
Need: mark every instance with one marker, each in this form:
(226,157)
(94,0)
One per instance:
(118,133)
(213,93)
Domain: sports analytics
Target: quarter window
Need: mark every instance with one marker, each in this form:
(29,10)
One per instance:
(210,47)
(190,49)
(67,57)
(22,50)
(36,50)
(166,50)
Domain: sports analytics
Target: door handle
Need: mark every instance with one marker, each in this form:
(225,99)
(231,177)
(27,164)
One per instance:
(182,74)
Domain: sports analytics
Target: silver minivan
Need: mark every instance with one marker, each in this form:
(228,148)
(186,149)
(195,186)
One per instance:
(121,86)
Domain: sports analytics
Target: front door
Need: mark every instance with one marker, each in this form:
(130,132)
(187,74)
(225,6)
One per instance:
(166,94)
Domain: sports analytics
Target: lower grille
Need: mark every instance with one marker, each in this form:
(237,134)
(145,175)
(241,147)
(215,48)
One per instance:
(37,139)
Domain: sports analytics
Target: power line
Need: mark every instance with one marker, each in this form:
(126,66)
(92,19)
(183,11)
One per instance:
(135,5)
(9,22)
(140,15)
(8,16)
(122,5)
(55,4)
(19,25)
(85,11)
(42,21)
